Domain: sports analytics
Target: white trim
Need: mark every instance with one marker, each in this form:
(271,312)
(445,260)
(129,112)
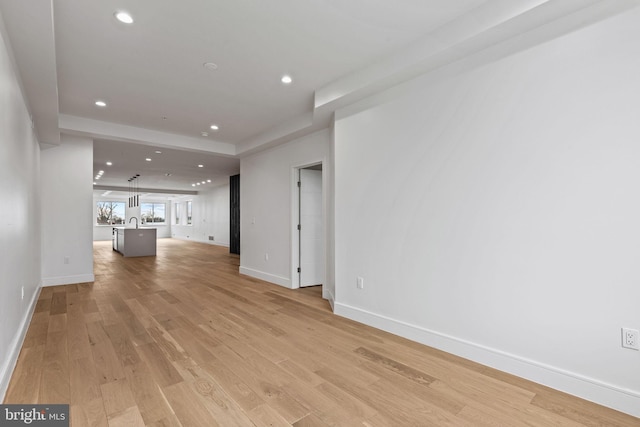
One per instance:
(267,277)
(67,280)
(295,241)
(326,294)
(591,389)
(13,352)
(295,205)
(208,242)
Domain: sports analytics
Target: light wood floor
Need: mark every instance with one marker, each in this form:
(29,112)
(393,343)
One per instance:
(183,339)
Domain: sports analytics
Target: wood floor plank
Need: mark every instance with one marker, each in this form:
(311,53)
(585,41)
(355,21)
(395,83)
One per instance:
(25,382)
(58,302)
(89,414)
(54,385)
(129,417)
(183,339)
(266,416)
(149,398)
(79,345)
(117,397)
(162,370)
(188,408)
(84,381)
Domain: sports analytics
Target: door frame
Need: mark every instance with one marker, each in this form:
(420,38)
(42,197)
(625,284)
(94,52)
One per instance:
(295,211)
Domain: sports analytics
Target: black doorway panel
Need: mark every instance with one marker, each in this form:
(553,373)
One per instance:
(234,244)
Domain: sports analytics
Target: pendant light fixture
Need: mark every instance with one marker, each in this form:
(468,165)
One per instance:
(134,191)
(137,190)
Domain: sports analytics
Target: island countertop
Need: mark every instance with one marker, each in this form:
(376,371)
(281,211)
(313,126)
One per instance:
(132,242)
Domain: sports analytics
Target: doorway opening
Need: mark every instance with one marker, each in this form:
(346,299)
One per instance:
(309,226)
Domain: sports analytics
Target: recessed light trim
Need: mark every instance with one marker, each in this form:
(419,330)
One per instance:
(100,104)
(200,166)
(215,127)
(286,79)
(124,17)
(109,164)
(208,180)
(211,66)
(148,159)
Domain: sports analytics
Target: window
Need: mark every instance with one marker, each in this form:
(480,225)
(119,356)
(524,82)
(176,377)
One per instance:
(110,213)
(152,213)
(177,213)
(189,213)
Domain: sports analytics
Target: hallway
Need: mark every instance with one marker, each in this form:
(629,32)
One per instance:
(183,339)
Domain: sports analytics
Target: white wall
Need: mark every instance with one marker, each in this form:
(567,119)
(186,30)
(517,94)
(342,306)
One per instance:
(210,217)
(495,214)
(266,180)
(103,232)
(67,212)
(19,216)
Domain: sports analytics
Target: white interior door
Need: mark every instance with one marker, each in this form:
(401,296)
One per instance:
(311,228)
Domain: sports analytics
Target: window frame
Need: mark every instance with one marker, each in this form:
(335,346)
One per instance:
(110,221)
(153,213)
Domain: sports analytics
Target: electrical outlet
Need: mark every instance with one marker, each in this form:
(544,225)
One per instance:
(630,338)
(360,283)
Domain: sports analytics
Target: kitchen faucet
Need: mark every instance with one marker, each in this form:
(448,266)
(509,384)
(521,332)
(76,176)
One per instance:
(133,217)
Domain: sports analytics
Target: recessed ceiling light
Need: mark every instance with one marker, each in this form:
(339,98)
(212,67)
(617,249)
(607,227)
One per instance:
(193,185)
(95,183)
(158,152)
(100,173)
(101,104)
(210,66)
(197,183)
(203,182)
(109,163)
(148,159)
(200,166)
(124,17)
(214,127)
(204,134)
(208,180)
(286,79)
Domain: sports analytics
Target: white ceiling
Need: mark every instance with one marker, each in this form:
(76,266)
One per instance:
(168,169)
(160,97)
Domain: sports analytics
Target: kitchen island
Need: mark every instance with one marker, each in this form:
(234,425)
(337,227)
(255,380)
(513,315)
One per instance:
(132,242)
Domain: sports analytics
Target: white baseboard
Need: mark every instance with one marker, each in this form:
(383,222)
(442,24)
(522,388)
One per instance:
(620,399)
(267,277)
(6,370)
(67,280)
(328,295)
(208,242)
